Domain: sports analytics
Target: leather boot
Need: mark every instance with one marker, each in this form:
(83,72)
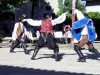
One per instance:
(35,53)
(13,45)
(80,54)
(11,50)
(25,50)
(56,52)
(93,50)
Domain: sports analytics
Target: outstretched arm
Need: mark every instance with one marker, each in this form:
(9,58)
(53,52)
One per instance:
(33,22)
(79,14)
(60,19)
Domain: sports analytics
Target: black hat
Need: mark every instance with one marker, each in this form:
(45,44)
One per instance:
(22,17)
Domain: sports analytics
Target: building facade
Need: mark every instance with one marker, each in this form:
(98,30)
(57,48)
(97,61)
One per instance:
(36,10)
(91,5)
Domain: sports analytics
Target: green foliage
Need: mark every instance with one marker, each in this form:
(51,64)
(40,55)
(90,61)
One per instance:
(69,19)
(94,15)
(12,4)
(62,8)
(80,6)
(68,5)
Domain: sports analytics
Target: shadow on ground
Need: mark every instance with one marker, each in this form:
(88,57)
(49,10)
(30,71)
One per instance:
(92,56)
(10,70)
(60,56)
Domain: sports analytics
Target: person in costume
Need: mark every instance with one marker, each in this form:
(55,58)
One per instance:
(18,36)
(83,32)
(67,34)
(46,33)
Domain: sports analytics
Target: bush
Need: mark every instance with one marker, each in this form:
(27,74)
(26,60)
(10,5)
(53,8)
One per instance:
(94,15)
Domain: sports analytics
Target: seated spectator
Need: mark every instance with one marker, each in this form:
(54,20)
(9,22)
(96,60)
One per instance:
(67,34)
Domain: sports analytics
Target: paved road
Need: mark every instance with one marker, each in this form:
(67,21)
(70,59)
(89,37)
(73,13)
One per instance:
(20,64)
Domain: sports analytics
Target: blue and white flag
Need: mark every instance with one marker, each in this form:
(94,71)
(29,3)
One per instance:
(77,29)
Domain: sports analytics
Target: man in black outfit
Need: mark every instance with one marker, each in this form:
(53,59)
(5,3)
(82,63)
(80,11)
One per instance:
(46,33)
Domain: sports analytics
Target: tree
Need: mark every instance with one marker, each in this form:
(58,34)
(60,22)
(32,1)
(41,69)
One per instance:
(67,5)
(12,4)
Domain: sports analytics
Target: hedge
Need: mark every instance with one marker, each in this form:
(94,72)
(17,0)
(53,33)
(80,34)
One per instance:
(94,15)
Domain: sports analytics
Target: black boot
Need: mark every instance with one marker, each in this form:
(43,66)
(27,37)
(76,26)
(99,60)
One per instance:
(11,50)
(13,45)
(56,52)
(93,50)
(80,54)
(35,53)
(25,50)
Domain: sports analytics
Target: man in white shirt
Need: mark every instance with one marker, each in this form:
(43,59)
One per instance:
(83,32)
(18,36)
(46,33)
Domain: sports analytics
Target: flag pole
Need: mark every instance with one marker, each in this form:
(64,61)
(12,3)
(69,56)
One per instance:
(73,18)
(73,9)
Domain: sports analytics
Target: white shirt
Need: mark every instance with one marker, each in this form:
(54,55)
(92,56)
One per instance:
(14,34)
(58,20)
(79,14)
